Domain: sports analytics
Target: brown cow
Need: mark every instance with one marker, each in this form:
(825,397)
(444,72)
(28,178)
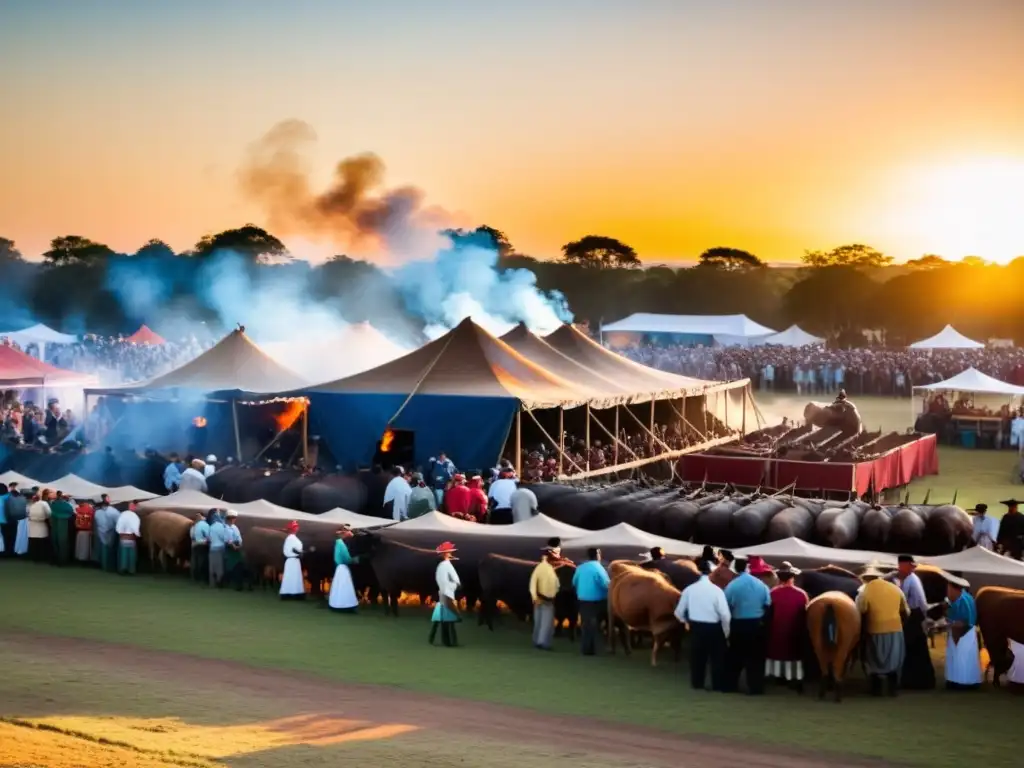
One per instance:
(833,623)
(1001,619)
(166,535)
(642,600)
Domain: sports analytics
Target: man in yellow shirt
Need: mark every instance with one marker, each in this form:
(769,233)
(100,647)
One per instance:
(544,587)
(884,607)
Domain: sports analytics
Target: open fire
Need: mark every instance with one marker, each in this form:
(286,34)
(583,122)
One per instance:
(199,422)
(387,440)
(291,413)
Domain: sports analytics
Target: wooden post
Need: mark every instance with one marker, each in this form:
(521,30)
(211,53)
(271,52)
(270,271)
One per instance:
(587,438)
(305,435)
(238,434)
(743,426)
(561,440)
(726,393)
(651,448)
(615,443)
(519,442)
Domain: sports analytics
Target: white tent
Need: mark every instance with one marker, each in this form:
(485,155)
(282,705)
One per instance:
(625,535)
(39,334)
(803,554)
(436,522)
(340,516)
(267,510)
(123,493)
(77,487)
(14,477)
(357,348)
(721,326)
(546,527)
(794,336)
(948,338)
(183,501)
(974,381)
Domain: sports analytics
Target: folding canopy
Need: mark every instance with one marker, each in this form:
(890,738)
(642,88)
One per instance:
(146,336)
(20,371)
(39,334)
(726,330)
(974,381)
(948,338)
(794,336)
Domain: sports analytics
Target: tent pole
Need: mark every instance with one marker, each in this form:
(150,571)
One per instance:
(561,440)
(519,442)
(587,437)
(615,442)
(743,425)
(727,411)
(652,426)
(305,435)
(238,435)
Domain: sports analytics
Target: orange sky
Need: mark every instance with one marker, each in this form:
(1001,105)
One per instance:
(675,126)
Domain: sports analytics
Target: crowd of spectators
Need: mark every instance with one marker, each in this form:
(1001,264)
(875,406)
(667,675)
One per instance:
(27,424)
(116,360)
(816,370)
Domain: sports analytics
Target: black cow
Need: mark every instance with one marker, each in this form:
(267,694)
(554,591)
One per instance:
(508,579)
(404,568)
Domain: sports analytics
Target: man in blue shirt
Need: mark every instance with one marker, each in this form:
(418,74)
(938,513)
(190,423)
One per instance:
(442,470)
(591,584)
(200,563)
(749,599)
(219,536)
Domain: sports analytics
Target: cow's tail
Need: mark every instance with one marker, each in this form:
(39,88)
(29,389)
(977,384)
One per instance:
(829,627)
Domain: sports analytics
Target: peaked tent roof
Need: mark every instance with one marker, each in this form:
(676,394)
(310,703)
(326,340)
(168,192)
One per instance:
(121,493)
(346,517)
(973,380)
(629,375)
(16,477)
(625,535)
(702,325)
(77,487)
(948,338)
(20,370)
(192,501)
(40,334)
(233,364)
(979,560)
(544,526)
(794,336)
(145,335)
(467,361)
(266,509)
(356,348)
(786,549)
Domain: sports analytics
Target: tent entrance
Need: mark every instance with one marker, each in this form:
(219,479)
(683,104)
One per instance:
(396,447)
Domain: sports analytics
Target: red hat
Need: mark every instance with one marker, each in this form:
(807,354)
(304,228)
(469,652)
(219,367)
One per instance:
(292,527)
(757,566)
(445,546)
(459,478)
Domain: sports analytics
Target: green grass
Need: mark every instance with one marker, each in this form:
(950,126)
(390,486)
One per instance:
(935,729)
(975,476)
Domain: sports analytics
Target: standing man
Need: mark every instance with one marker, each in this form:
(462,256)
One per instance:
(128,530)
(442,471)
(543,590)
(396,496)
(104,524)
(524,504)
(62,514)
(986,529)
(172,474)
(293,587)
(748,598)
(963,662)
(39,527)
(200,563)
(786,629)
(84,514)
(1010,539)
(884,608)
(218,543)
(193,478)
(500,494)
(591,584)
(704,608)
(918,674)
(15,510)
(235,570)
(421,498)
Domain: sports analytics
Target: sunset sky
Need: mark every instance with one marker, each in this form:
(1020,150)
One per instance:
(674,125)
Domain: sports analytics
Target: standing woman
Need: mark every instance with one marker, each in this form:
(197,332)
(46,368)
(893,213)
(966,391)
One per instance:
(39,527)
(343,594)
(292,585)
(445,613)
(963,661)
(84,514)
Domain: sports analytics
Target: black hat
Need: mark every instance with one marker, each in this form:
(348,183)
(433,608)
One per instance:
(979,509)
(1011,502)
(905,559)
(554,542)
(726,555)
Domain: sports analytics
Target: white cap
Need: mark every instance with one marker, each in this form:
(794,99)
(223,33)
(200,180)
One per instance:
(210,459)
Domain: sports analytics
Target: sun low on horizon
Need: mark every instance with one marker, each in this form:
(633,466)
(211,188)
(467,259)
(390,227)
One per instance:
(774,128)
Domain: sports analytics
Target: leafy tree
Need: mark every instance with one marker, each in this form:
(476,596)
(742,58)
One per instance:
(155,249)
(74,249)
(729,259)
(974,261)
(832,300)
(600,251)
(253,243)
(854,255)
(482,237)
(8,251)
(928,261)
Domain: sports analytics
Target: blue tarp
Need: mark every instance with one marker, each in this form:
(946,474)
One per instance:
(471,430)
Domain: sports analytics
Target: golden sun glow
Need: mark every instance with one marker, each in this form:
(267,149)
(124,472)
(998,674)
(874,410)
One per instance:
(973,207)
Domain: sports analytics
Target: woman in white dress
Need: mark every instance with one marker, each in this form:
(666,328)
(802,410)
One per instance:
(343,594)
(445,614)
(292,585)
(963,659)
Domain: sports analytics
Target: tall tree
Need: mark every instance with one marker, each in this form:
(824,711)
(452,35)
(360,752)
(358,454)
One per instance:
(600,251)
(74,249)
(928,261)
(481,237)
(155,249)
(253,243)
(729,259)
(973,261)
(9,252)
(832,300)
(853,255)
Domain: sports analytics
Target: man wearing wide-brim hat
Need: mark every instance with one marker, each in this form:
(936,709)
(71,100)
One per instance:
(445,614)
(986,529)
(963,662)
(1010,539)
(918,674)
(544,588)
(884,607)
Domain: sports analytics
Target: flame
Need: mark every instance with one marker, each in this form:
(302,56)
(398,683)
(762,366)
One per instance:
(199,421)
(387,440)
(293,409)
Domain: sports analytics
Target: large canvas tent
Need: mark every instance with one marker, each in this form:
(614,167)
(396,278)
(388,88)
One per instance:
(974,381)
(729,330)
(39,334)
(356,348)
(794,336)
(19,371)
(948,338)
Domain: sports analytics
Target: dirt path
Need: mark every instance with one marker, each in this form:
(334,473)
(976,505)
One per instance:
(491,722)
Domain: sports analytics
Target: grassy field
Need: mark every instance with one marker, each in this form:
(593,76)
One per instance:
(169,614)
(975,476)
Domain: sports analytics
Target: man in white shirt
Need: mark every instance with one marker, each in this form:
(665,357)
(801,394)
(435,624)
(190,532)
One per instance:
(193,479)
(128,530)
(501,494)
(211,465)
(704,608)
(396,495)
(524,504)
(986,529)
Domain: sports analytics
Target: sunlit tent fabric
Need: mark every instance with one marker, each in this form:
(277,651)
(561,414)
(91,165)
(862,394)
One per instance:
(356,348)
(20,370)
(39,334)
(184,501)
(626,535)
(974,381)
(458,393)
(145,335)
(805,555)
(729,330)
(234,364)
(794,336)
(537,527)
(948,338)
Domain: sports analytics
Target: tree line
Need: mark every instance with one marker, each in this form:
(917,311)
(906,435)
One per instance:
(839,294)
